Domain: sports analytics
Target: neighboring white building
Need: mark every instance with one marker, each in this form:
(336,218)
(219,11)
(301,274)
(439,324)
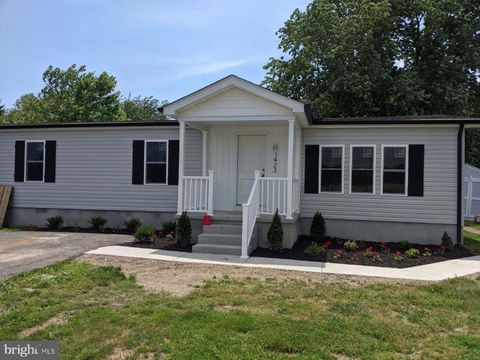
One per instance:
(471,191)
(239,152)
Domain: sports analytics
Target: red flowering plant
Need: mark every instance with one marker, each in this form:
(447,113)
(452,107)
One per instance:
(369,252)
(398,256)
(376,256)
(338,254)
(170,236)
(427,252)
(384,247)
(327,244)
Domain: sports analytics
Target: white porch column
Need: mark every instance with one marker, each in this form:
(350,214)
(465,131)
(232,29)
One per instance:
(204,152)
(181,155)
(291,137)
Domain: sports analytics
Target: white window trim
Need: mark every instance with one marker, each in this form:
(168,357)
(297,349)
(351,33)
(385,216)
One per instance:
(406,146)
(320,170)
(145,163)
(25,162)
(374,169)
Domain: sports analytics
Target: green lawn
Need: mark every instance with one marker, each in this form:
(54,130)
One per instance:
(104,312)
(472,242)
(472,224)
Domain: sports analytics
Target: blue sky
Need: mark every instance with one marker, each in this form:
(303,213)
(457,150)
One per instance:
(161,48)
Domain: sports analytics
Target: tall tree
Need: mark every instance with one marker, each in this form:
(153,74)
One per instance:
(71,95)
(381,57)
(142,108)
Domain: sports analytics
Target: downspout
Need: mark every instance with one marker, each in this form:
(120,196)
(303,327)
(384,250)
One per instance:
(459,182)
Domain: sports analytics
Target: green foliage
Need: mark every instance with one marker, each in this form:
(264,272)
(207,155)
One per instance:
(144,234)
(184,230)
(275,233)
(54,222)
(385,57)
(168,227)
(133,224)
(447,241)
(350,245)
(404,244)
(98,222)
(314,250)
(142,108)
(412,253)
(318,229)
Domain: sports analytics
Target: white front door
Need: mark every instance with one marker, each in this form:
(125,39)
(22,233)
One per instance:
(251,157)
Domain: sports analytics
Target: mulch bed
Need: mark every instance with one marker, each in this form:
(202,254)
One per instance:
(336,253)
(159,243)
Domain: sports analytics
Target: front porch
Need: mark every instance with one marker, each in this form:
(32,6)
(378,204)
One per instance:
(250,157)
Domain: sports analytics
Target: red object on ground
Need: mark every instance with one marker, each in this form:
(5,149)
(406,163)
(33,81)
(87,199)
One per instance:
(207,220)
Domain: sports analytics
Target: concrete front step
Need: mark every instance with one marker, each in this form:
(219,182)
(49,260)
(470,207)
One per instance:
(222,229)
(217,249)
(220,239)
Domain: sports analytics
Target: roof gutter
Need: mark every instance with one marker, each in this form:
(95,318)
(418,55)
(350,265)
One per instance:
(461,131)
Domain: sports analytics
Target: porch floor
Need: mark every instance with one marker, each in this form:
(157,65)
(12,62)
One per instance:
(431,272)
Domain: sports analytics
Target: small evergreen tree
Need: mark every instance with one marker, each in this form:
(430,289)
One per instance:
(184,230)
(318,229)
(447,242)
(275,233)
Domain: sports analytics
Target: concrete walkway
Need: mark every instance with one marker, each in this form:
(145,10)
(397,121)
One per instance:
(431,272)
(472,230)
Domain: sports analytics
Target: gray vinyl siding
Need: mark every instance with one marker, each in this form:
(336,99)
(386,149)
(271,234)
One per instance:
(438,205)
(193,152)
(93,170)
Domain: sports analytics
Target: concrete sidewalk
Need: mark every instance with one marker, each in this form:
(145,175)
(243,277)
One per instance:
(431,272)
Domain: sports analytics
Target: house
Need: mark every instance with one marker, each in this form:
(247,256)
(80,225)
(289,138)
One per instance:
(240,152)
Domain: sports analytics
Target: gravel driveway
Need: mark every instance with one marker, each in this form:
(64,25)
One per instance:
(26,250)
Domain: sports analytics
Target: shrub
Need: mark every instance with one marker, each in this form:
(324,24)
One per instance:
(318,229)
(412,253)
(398,256)
(427,252)
(144,234)
(350,245)
(314,250)
(368,252)
(447,242)
(54,222)
(184,230)
(168,227)
(275,233)
(98,222)
(133,224)
(404,244)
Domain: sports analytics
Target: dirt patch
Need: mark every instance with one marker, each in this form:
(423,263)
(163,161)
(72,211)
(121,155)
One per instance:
(59,319)
(179,279)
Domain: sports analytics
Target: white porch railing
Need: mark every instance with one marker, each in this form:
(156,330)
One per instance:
(250,214)
(197,193)
(273,195)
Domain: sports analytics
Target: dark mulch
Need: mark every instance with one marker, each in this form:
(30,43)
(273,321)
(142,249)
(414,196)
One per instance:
(386,253)
(159,243)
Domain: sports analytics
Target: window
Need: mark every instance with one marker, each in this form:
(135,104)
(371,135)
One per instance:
(362,169)
(156,162)
(394,172)
(34,160)
(331,169)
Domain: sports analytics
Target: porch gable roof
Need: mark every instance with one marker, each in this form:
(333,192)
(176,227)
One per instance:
(300,110)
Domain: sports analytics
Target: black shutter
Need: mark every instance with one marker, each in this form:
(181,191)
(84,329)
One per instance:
(416,154)
(19,161)
(50,160)
(311,168)
(173,150)
(138,162)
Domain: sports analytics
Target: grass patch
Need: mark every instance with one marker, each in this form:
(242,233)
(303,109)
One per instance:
(472,242)
(103,313)
(472,224)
